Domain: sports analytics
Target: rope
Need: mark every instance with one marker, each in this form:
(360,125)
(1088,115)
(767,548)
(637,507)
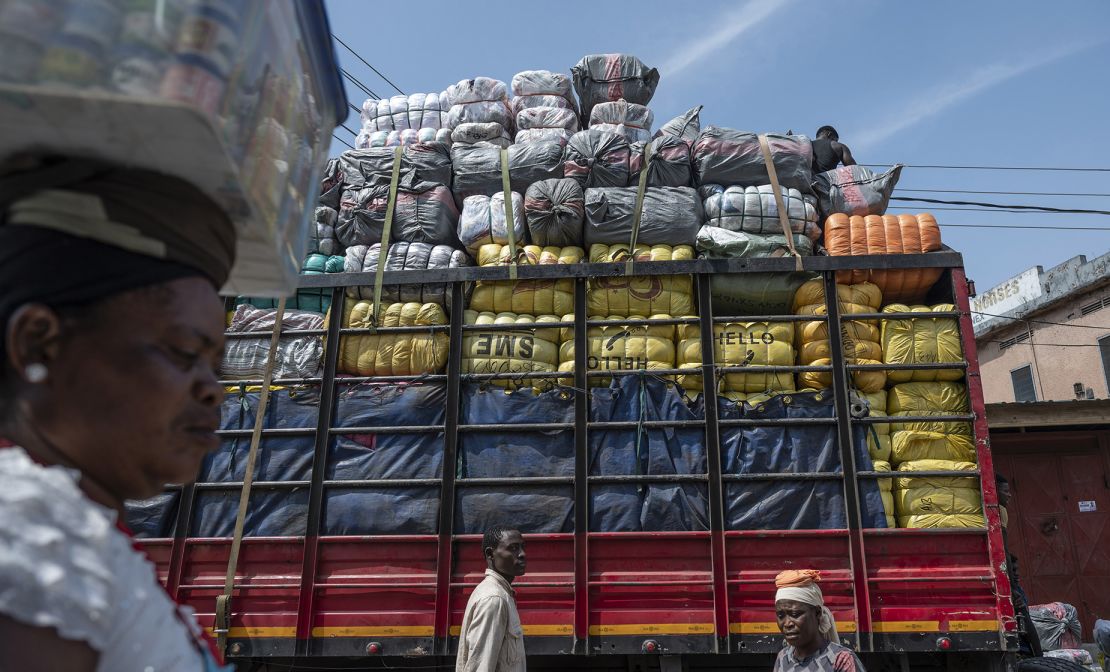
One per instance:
(387,228)
(509,223)
(773,174)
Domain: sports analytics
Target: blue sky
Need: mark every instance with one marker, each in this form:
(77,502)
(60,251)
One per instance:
(990,83)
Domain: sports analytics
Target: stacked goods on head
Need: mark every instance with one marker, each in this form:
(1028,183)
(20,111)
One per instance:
(477,169)
(938,501)
(627,296)
(922,340)
(622,347)
(404,120)
(391,353)
(626,119)
(754,210)
(543,107)
(854,190)
(315,300)
(888,234)
(555,210)
(483,221)
(669,215)
(599,158)
(296,356)
(405,257)
(740,344)
(606,78)
(860,337)
(479,112)
(878,433)
(886,490)
(528,297)
(525,350)
(751,293)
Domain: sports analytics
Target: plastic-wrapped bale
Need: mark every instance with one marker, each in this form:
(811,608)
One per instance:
(424,212)
(855,190)
(296,357)
(922,341)
(555,210)
(740,344)
(751,293)
(860,337)
(392,354)
(481,100)
(541,88)
(1081,657)
(331,184)
(754,210)
(603,78)
(527,350)
(401,113)
(367,139)
(483,221)
(477,168)
(475,132)
(791,448)
(315,300)
(422,162)
(670,163)
(1058,625)
(911,441)
(597,158)
(726,156)
(670,215)
(530,297)
(878,433)
(937,501)
(640,294)
(405,257)
(152,518)
(323,238)
(623,118)
(886,234)
(621,347)
(546,124)
(886,490)
(685,127)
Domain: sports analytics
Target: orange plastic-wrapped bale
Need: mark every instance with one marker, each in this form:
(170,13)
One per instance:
(886,234)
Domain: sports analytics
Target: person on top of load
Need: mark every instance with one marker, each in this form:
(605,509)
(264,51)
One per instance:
(491,638)
(812,643)
(112,339)
(829,152)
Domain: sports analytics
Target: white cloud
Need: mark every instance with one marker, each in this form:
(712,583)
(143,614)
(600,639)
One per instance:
(732,25)
(969,84)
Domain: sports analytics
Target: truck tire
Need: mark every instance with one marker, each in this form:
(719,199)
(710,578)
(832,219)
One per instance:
(1049,665)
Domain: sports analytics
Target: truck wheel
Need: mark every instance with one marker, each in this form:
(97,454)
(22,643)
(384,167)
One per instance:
(1049,665)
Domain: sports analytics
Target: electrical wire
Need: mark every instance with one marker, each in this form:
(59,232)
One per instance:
(1002,193)
(367,63)
(983,204)
(354,80)
(342,140)
(1020,226)
(1049,322)
(347,128)
(1048,345)
(1012,212)
(1044,168)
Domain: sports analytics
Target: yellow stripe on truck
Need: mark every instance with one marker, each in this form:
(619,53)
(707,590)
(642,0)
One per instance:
(653,629)
(772,628)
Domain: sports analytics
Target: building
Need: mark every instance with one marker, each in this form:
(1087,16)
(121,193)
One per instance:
(1044,349)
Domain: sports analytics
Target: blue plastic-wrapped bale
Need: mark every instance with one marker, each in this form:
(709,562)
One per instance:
(270,512)
(509,454)
(385,455)
(778,449)
(153,518)
(640,451)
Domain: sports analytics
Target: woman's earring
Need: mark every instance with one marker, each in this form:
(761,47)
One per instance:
(36,374)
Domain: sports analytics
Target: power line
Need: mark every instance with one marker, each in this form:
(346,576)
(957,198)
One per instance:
(1013,212)
(365,89)
(359,57)
(1021,226)
(1049,322)
(356,108)
(983,204)
(1048,168)
(345,127)
(1001,193)
(1049,345)
(342,140)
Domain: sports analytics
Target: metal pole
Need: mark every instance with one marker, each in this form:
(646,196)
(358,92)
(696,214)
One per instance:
(581,475)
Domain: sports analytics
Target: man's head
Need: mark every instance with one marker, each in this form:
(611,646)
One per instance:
(504,551)
(1003,487)
(828,132)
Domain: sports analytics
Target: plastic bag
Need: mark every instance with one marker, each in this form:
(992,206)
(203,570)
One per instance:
(727,156)
(755,210)
(602,78)
(855,190)
(405,257)
(670,215)
(555,210)
(478,100)
(541,86)
(477,168)
(546,123)
(1058,625)
(424,213)
(491,132)
(685,127)
(623,118)
(398,113)
(483,221)
(368,139)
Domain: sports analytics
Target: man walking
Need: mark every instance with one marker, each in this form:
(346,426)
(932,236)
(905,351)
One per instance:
(491,639)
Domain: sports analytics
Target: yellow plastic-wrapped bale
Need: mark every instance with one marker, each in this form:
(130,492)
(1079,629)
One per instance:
(878,433)
(622,296)
(925,440)
(860,337)
(741,344)
(621,348)
(526,350)
(938,501)
(886,489)
(392,354)
(526,297)
(921,341)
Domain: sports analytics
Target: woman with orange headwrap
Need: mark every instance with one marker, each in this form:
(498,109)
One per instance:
(812,643)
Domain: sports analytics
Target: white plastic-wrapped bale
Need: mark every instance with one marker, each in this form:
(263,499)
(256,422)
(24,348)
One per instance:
(727,156)
(323,239)
(424,213)
(367,139)
(855,190)
(623,118)
(670,215)
(477,101)
(399,113)
(540,124)
(477,168)
(296,356)
(426,162)
(754,210)
(490,131)
(541,88)
(555,210)
(603,78)
(405,257)
(483,221)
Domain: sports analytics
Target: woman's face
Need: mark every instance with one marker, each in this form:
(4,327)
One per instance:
(132,394)
(799,623)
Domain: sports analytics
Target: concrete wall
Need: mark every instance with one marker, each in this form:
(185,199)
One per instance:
(1057,364)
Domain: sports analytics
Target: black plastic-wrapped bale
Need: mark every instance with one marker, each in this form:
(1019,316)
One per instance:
(405,257)
(424,162)
(729,157)
(670,215)
(603,78)
(855,190)
(596,158)
(555,210)
(477,168)
(331,184)
(425,212)
(736,294)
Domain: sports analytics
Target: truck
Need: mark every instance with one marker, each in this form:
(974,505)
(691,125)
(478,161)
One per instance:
(323,591)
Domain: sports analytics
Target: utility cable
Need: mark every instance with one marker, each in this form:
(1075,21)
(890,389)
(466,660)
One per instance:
(342,140)
(1002,193)
(1044,168)
(983,204)
(354,80)
(367,63)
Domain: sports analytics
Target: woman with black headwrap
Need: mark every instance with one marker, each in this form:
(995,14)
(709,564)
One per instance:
(111,334)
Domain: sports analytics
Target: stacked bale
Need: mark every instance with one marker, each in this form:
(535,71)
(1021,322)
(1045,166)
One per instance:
(404,120)
(479,112)
(740,344)
(621,347)
(296,357)
(938,501)
(922,341)
(389,353)
(878,434)
(543,107)
(522,351)
(405,257)
(606,78)
(860,337)
(643,295)
(527,297)
(626,119)
(483,221)
(886,490)
(887,234)
(555,210)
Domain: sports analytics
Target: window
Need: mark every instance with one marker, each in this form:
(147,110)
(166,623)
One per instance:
(1095,305)
(1023,382)
(1104,350)
(1011,342)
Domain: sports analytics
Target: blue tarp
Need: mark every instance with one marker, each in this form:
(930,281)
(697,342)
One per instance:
(155,517)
